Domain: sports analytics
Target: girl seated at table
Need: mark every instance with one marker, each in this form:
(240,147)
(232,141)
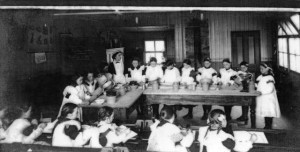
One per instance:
(90,83)
(68,131)
(267,103)
(107,134)
(74,93)
(187,78)
(154,72)
(136,72)
(226,79)
(21,129)
(218,135)
(206,72)
(164,134)
(171,74)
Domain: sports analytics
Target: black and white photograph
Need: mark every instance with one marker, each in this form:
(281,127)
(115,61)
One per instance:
(149,75)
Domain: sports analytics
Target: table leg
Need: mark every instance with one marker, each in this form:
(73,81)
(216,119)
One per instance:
(252,113)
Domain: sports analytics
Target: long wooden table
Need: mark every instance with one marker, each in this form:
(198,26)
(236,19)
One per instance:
(169,96)
(126,101)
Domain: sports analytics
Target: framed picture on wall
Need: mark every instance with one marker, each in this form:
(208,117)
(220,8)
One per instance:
(40,37)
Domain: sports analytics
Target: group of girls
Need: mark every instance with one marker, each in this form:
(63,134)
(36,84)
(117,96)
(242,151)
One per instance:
(217,136)
(267,103)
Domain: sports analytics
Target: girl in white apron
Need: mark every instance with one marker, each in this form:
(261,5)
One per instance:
(22,130)
(106,134)
(154,72)
(74,93)
(67,131)
(164,134)
(187,78)
(226,78)
(267,103)
(206,72)
(172,74)
(136,71)
(90,83)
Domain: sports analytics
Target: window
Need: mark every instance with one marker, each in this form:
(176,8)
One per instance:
(155,49)
(289,44)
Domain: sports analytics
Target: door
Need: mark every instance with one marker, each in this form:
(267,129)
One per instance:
(246,47)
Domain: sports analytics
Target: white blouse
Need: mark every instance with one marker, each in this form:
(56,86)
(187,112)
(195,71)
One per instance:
(225,76)
(154,73)
(207,73)
(171,76)
(137,74)
(185,76)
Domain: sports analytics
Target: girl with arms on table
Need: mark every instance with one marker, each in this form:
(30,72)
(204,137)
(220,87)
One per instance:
(187,72)
(68,131)
(171,74)
(90,83)
(107,133)
(20,127)
(136,72)
(267,103)
(226,79)
(164,134)
(206,72)
(154,72)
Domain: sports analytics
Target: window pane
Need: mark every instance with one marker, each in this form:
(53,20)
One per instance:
(294,45)
(283,60)
(160,45)
(159,57)
(298,63)
(292,28)
(296,20)
(282,45)
(280,31)
(293,64)
(149,46)
(148,56)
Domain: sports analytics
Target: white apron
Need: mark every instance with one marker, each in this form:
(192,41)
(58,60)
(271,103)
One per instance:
(185,77)
(119,76)
(267,103)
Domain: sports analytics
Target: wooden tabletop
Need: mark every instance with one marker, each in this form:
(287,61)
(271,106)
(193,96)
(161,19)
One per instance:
(124,101)
(199,91)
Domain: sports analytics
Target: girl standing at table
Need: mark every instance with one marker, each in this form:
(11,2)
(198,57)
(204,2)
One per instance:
(106,135)
(67,131)
(172,74)
(206,72)
(74,93)
(226,78)
(21,129)
(136,71)
(267,103)
(164,134)
(242,74)
(186,78)
(154,72)
(90,83)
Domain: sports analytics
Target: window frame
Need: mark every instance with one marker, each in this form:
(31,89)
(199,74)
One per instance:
(163,52)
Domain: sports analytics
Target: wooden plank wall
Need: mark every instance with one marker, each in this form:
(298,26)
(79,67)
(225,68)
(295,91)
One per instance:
(222,23)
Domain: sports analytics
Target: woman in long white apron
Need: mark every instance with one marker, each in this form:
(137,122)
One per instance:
(267,103)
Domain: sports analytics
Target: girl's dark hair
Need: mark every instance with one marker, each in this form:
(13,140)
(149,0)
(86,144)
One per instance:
(169,63)
(10,115)
(187,61)
(153,59)
(105,112)
(270,70)
(115,54)
(74,79)
(135,59)
(215,112)
(166,112)
(68,108)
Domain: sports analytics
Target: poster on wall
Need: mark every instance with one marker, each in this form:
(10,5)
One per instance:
(40,57)
(40,37)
